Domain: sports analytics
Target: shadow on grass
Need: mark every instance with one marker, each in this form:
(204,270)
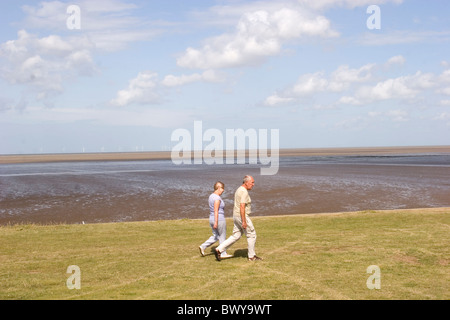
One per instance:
(239,253)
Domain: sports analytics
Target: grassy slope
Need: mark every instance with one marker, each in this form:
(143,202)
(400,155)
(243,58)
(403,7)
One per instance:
(305,257)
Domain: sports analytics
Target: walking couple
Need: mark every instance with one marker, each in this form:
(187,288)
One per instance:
(242,223)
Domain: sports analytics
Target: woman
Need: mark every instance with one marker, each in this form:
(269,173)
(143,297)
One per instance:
(216,219)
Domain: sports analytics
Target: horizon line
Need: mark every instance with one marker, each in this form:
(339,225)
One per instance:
(166,155)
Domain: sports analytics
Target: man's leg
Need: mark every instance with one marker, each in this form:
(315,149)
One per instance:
(250,232)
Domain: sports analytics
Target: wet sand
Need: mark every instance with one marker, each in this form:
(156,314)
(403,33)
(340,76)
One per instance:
(166,155)
(309,181)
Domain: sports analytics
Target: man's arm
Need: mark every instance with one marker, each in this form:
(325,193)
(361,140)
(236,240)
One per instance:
(244,220)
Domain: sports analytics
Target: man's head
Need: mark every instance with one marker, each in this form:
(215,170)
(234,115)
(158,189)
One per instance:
(248,182)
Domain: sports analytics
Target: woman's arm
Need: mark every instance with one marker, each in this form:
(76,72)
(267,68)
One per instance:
(216,213)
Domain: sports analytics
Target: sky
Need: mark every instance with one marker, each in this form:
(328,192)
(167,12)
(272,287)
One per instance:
(120,76)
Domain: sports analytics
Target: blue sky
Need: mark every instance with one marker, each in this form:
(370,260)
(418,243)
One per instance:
(135,71)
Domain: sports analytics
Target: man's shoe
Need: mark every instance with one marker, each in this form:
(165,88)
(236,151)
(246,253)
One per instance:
(217,254)
(226,256)
(202,251)
(255,258)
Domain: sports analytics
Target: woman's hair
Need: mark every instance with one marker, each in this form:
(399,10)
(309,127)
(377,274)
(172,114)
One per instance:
(218,184)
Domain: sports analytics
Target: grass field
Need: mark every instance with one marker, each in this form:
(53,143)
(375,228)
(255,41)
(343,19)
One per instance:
(305,257)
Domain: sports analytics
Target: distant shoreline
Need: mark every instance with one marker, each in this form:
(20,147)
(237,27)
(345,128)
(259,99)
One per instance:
(166,155)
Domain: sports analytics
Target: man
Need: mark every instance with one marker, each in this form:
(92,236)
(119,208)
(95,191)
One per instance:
(242,222)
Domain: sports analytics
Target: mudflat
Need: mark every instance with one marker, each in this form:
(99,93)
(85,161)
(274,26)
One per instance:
(325,180)
(166,155)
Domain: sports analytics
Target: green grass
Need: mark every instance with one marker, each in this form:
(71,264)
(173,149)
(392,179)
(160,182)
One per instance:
(305,257)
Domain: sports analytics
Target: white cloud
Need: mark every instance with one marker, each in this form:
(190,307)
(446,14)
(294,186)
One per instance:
(445,91)
(364,85)
(400,60)
(48,15)
(344,76)
(310,84)
(306,85)
(387,89)
(275,99)
(397,37)
(444,116)
(141,90)
(444,79)
(404,87)
(258,35)
(207,76)
(262,29)
(109,24)
(154,117)
(225,15)
(324,4)
(44,63)
(146,87)
(398,115)
(349,101)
